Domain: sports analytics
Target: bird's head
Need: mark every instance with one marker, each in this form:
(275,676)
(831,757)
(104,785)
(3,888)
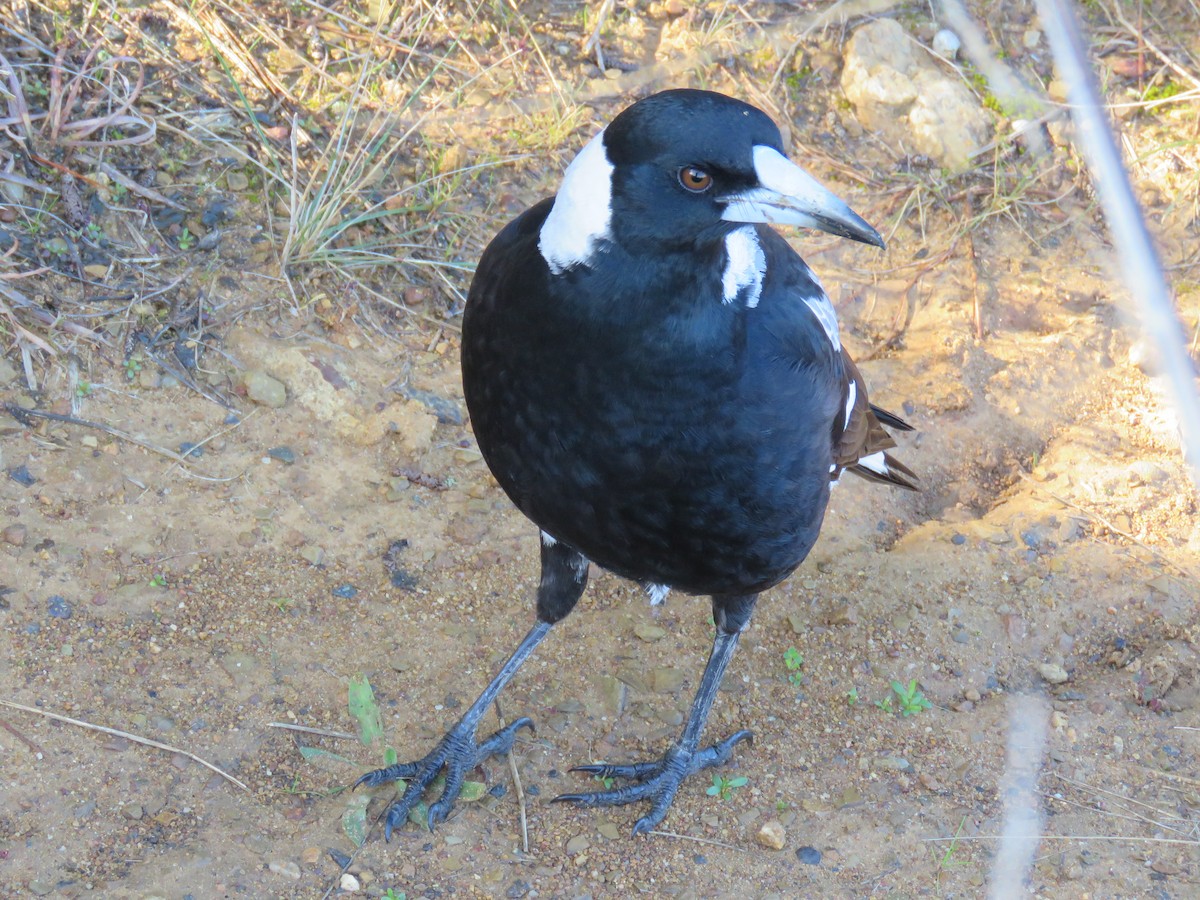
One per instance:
(680,167)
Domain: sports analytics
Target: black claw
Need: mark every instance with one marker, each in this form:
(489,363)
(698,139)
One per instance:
(458,753)
(569,798)
(656,781)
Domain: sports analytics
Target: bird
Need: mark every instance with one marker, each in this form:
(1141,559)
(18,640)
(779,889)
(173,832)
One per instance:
(655,378)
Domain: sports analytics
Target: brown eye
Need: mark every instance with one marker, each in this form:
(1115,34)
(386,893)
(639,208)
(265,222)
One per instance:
(695,180)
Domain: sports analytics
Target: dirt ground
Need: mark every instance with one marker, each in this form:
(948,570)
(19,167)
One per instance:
(1049,566)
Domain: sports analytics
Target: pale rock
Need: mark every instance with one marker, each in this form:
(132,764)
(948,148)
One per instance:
(905,96)
(946,43)
(772,835)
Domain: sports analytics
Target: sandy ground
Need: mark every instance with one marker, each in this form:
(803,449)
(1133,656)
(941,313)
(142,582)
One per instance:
(1047,571)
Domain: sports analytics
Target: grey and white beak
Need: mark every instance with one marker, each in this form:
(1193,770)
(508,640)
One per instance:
(787,195)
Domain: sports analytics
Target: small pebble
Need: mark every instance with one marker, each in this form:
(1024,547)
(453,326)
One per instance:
(187,448)
(285,455)
(1053,673)
(15,535)
(972,695)
(349,883)
(810,856)
(958,539)
(21,476)
(578,844)
(772,835)
(265,390)
(285,867)
(345,591)
(59,607)
(946,43)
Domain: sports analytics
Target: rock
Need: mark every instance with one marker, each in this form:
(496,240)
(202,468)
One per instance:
(649,632)
(578,844)
(285,455)
(901,93)
(59,607)
(665,680)
(946,43)
(14,534)
(285,867)
(349,883)
(264,389)
(810,856)
(1053,673)
(772,835)
(8,373)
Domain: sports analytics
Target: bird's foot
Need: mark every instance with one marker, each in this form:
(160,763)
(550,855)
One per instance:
(656,781)
(459,753)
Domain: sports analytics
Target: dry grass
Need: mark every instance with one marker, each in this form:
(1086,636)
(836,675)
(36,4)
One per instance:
(352,160)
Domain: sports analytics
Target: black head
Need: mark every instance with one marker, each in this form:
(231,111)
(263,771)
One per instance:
(682,168)
(674,155)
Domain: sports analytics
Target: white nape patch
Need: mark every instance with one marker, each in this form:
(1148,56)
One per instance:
(745,266)
(875,462)
(548,540)
(658,593)
(582,213)
(850,398)
(823,310)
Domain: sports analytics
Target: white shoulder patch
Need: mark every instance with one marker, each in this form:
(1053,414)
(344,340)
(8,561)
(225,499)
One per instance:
(823,310)
(582,213)
(745,266)
(851,396)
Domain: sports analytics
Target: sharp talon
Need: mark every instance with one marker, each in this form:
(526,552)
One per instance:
(569,798)
(590,769)
(642,826)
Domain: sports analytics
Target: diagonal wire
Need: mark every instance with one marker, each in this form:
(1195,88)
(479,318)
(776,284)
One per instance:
(1140,265)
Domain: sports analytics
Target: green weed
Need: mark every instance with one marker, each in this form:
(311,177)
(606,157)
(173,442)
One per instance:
(724,787)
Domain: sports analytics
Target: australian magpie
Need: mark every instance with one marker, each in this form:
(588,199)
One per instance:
(655,379)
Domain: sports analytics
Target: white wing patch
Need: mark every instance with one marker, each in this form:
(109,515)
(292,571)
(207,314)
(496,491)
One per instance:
(745,266)
(850,398)
(582,213)
(548,539)
(875,462)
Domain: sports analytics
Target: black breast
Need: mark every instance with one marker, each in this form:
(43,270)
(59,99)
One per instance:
(668,436)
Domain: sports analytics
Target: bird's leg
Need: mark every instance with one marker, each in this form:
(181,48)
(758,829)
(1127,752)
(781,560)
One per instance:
(658,781)
(564,576)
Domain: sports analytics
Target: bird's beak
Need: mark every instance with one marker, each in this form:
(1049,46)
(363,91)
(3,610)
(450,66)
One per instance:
(787,195)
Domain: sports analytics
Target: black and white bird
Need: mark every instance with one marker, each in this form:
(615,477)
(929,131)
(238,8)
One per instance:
(655,379)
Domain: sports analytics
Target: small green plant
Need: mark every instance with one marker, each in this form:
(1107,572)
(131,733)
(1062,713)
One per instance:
(947,861)
(83,389)
(724,787)
(781,806)
(390,894)
(886,705)
(852,697)
(1162,91)
(607,781)
(912,701)
(132,368)
(283,604)
(158,579)
(793,660)
(186,239)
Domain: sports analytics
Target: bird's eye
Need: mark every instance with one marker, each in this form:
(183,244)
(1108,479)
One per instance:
(695,180)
